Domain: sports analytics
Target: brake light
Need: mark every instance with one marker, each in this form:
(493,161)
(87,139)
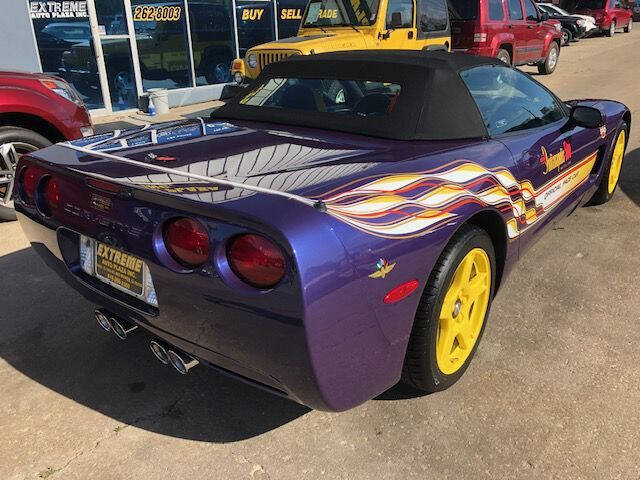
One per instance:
(29,182)
(256,260)
(103,185)
(49,198)
(187,241)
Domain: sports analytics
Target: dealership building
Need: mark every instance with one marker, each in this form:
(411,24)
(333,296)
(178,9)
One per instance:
(115,51)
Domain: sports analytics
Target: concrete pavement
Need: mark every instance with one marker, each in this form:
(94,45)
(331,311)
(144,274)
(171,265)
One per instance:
(552,393)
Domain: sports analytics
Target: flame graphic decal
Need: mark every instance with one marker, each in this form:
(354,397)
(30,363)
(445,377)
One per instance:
(408,205)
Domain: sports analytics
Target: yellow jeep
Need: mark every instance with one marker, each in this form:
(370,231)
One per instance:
(338,25)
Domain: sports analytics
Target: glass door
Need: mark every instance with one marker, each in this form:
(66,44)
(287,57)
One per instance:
(117,73)
(256,23)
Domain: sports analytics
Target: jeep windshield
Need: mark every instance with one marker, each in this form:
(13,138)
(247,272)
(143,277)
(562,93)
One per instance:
(340,13)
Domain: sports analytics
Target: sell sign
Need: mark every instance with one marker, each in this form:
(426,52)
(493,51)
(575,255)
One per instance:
(58,9)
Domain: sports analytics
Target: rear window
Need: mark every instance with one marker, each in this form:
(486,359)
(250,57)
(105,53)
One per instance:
(341,97)
(591,4)
(463,9)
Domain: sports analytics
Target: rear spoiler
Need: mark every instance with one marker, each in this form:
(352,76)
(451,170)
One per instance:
(317,204)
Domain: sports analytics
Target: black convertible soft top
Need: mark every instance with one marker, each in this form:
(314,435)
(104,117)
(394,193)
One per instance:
(434,103)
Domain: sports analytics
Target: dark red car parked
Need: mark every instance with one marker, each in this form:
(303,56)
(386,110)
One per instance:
(609,14)
(36,110)
(514,31)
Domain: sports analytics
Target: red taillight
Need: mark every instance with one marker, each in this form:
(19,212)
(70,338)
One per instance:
(49,198)
(256,260)
(401,291)
(29,182)
(187,241)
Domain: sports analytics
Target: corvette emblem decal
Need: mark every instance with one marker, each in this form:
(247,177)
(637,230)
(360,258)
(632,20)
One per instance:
(382,268)
(159,158)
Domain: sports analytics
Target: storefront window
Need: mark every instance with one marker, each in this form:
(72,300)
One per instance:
(111,17)
(65,45)
(255,23)
(122,86)
(289,16)
(212,39)
(161,35)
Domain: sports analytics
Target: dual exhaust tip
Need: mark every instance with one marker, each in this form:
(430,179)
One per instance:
(111,323)
(181,361)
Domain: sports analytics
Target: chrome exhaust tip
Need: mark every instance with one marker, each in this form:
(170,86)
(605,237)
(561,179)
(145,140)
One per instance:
(181,361)
(121,328)
(159,351)
(102,319)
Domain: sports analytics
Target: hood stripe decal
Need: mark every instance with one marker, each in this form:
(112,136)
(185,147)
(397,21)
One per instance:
(204,178)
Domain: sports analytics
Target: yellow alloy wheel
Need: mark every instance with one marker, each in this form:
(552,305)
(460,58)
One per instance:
(463,311)
(616,161)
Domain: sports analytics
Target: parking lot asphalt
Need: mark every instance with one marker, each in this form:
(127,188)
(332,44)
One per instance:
(554,390)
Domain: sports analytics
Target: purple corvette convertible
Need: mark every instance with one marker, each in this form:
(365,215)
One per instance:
(340,226)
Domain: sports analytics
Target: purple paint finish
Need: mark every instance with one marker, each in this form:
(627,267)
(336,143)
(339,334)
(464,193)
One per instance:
(323,336)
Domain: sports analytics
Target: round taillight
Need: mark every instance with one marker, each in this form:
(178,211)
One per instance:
(187,241)
(256,260)
(49,197)
(29,182)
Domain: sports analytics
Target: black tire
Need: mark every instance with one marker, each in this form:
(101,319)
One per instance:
(420,368)
(567,37)
(603,195)
(28,140)
(548,66)
(629,26)
(504,56)
(612,29)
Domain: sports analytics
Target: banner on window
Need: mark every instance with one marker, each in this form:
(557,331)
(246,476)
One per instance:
(58,9)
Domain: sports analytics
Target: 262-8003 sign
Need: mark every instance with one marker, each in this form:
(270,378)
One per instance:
(158,14)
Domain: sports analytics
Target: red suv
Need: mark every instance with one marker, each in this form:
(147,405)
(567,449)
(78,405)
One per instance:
(609,14)
(514,31)
(36,110)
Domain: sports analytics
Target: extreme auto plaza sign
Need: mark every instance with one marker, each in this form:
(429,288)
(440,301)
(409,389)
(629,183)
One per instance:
(58,9)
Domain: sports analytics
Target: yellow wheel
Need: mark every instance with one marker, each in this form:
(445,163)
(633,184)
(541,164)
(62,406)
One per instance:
(463,311)
(452,312)
(612,169)
(616,161)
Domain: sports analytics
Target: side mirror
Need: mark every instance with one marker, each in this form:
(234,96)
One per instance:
(587,117)
(396,20)
(544,16)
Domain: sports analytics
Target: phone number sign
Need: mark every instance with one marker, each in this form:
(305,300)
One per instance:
(58,9)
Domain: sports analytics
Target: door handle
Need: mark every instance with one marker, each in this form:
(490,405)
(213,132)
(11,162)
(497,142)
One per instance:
(410,34)
(510,26)
(529,26)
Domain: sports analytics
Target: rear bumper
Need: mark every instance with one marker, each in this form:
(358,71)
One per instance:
(47,248)
(310,356)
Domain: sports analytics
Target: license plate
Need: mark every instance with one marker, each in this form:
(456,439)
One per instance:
(117,268)
(120,269)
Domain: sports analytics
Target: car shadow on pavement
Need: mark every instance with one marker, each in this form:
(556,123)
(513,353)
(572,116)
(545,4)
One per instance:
(630,175)
(48,333)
